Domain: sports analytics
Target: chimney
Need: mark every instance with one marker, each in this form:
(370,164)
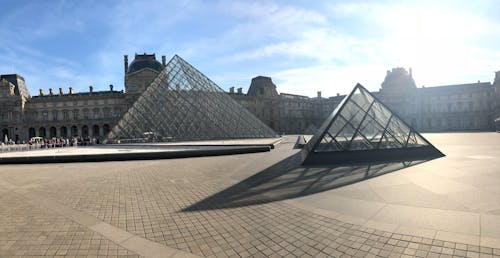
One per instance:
(51,92)
(240,90)
(125,63)
(91,88)
(164,61)
(231,90)
(338,94)
(319,94)
(71,90)
(61,91)
(41,92)
(111,87)
(411,73)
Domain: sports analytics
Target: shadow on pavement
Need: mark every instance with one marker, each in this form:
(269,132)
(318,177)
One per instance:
(288,179)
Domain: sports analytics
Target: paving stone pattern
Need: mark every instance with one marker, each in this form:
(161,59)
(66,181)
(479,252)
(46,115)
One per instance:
(27,230)
(149,201)
(152,200)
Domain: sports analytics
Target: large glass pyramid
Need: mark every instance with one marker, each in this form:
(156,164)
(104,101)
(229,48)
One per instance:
(362,128)
(183,104)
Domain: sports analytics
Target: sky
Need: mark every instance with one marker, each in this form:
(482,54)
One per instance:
(305,46)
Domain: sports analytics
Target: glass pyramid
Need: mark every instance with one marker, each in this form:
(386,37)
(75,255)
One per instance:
(183,104)
(363,128)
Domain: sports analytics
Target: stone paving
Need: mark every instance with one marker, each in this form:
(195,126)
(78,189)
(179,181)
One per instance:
(28,230)
(46,211)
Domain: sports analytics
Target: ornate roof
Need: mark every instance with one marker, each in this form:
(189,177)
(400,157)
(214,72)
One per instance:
(144,61)
(262,85)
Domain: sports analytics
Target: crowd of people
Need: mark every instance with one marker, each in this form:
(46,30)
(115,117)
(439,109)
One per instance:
(40,142)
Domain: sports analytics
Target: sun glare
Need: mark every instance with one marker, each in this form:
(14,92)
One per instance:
(417,35)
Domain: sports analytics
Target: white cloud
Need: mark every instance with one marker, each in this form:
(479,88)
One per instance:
(327,47)
(442,45)
(271,21)
(329,79)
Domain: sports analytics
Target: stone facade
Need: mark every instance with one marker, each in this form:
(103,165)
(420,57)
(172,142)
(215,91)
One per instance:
(284,113)
(58,114)
(463,107)
(88,114)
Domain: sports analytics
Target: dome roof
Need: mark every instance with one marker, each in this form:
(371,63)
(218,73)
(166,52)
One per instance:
(144,61)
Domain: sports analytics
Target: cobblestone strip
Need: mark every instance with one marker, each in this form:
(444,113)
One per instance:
(136,244)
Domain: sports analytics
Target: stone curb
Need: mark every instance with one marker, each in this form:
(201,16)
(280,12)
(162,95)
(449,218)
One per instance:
(134,156)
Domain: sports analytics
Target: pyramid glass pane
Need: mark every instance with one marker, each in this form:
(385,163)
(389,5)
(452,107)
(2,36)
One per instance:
(371,129)
(364,123)
(361,99)
(327,143)
(380,114)
(183,104)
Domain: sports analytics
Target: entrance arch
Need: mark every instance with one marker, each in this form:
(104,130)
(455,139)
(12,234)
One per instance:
(42,133)
(95,131)
(53,132)
(74,131)
(64,132)
(105,129)
(5,132)
(31,132)
(85,131)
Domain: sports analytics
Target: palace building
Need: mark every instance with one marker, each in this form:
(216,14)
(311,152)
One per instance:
(60,113)
(461,107)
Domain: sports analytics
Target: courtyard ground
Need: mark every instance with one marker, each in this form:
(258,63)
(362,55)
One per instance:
(260,204)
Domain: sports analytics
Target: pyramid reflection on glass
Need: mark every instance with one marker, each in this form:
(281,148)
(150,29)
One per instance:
(183,104)
(360,129)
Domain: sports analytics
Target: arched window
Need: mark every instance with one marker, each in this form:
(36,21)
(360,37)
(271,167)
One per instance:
(74,131)
(5,132)
(41,132)
(53,132)
(95,130)
(64,132)
(106,129)
(31,132)
(85,131)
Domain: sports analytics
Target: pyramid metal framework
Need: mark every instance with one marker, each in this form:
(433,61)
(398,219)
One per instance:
(362,128)
(183,104)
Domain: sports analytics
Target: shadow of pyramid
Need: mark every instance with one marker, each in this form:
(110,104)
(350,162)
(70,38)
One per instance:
(289,179)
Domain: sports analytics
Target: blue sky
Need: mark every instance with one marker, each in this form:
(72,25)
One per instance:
(305,46)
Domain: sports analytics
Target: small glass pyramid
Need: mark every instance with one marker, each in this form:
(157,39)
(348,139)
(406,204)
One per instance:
(362,128)
(183,104)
